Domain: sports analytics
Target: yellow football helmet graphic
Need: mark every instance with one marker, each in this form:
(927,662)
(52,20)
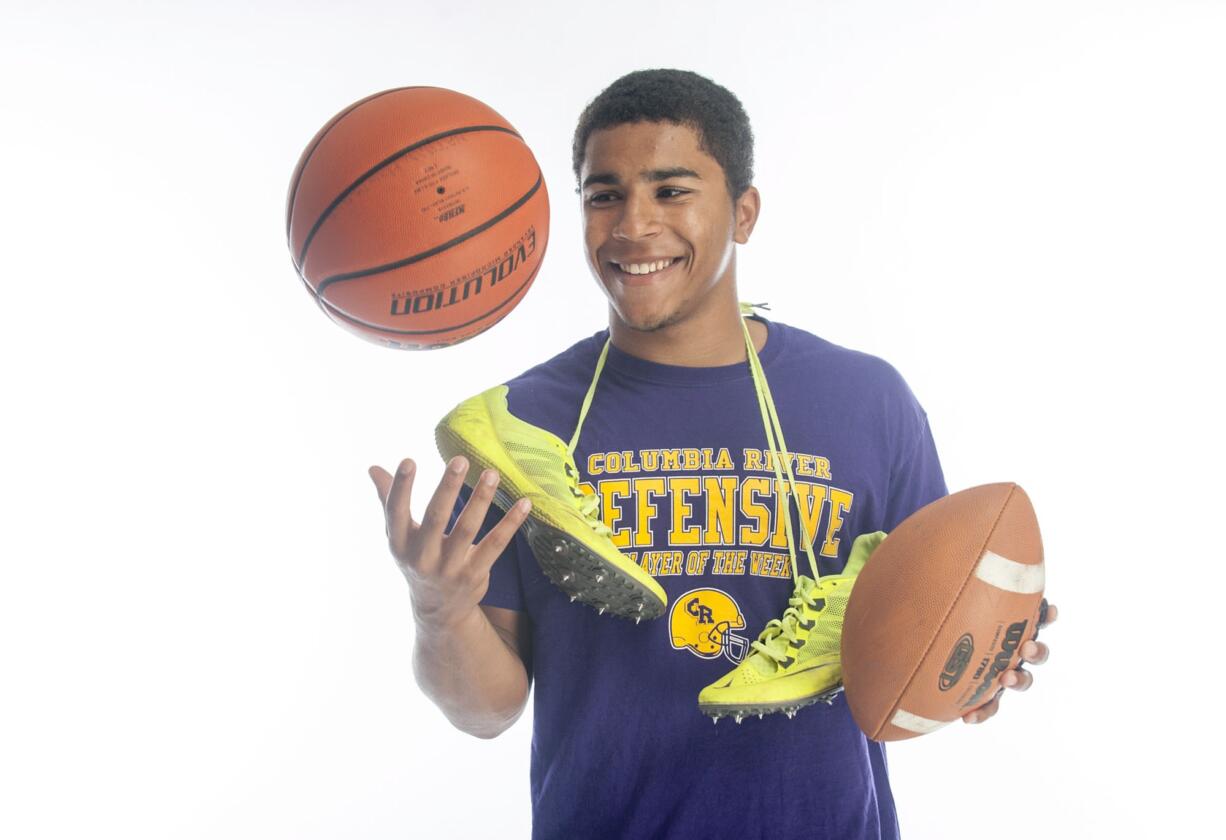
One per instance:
(702,621)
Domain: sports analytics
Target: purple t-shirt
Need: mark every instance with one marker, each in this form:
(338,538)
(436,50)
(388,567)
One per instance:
(619,746)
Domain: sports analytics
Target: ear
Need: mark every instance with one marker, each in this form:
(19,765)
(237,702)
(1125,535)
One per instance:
(745,214)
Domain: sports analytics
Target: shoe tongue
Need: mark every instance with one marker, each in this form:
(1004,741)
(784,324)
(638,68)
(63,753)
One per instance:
(762,663)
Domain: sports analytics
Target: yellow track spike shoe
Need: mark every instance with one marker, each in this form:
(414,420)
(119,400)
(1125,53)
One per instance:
(795,661)
(571,542)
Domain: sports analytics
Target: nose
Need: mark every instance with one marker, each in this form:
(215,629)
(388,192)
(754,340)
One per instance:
(638,219)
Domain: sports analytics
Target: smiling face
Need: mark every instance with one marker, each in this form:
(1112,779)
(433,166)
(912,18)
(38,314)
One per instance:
(659,224)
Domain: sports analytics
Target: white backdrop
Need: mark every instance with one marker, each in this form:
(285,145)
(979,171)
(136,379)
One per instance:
(1020,205)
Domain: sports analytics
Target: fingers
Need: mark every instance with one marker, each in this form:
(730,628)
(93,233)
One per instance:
(396,494)
(421,546)
(985,711)
(1017,679)
(383,483)
(500,535)
(438,509)
(1035,653)
(1052,613)
(470,519)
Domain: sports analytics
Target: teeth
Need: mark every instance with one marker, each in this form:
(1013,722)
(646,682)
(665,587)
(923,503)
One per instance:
(644,268)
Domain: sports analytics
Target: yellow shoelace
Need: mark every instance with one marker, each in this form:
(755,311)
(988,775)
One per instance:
(589,503)
(774,432)
(774,638)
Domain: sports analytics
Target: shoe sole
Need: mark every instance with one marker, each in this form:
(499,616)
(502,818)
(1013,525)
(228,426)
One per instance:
(744,710)
(573,567)
(789,707)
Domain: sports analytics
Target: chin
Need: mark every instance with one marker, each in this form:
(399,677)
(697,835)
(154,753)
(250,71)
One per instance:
(643,319)
(652,326)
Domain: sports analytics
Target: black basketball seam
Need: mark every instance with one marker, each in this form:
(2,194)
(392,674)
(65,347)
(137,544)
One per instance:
(334,309)
(293,192)
(894,706)
(390,159)
(437,249)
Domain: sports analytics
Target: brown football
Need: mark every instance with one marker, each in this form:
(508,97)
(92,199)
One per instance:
(941,610)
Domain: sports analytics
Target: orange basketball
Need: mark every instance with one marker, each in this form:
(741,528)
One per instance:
(417,217)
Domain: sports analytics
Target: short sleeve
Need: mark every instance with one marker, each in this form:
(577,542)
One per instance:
(916,477)
(506,587)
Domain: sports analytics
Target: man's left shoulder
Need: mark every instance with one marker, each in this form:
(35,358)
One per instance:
(830,363)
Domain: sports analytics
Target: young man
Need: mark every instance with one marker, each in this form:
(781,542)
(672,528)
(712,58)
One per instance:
(673,416)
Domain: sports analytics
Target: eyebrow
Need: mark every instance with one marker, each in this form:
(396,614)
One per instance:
(651,175)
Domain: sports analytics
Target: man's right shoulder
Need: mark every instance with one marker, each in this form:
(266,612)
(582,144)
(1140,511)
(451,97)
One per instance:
(576,360)
(556,386)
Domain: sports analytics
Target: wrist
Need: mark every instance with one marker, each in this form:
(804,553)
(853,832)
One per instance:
(444,624)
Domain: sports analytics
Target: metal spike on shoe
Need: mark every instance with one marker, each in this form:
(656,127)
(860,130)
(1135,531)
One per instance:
(565,577)
(572,598)
(738,719)
(599,578)
(602,610)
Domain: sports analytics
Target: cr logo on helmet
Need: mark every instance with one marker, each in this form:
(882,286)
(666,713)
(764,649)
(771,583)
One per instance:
(702,620)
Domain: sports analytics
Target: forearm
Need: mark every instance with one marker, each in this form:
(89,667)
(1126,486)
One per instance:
(470,672)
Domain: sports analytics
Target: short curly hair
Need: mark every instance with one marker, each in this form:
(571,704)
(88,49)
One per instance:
(682,97)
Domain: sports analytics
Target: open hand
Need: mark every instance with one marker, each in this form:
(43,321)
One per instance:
(447,574)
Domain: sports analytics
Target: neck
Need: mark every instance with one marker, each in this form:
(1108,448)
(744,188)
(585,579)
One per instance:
(711,336)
